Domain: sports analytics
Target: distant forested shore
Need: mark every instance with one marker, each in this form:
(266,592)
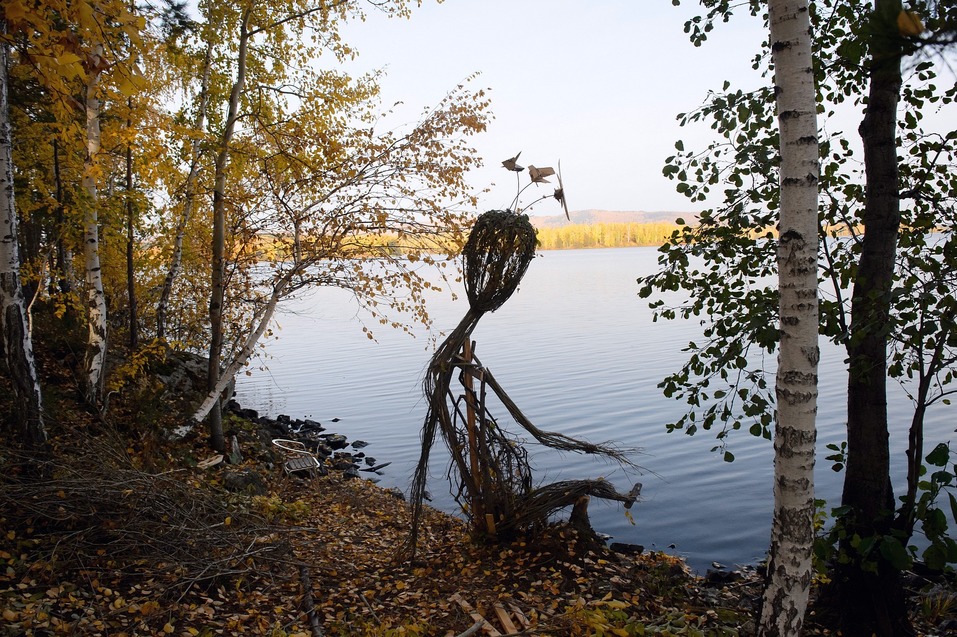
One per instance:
(605,235)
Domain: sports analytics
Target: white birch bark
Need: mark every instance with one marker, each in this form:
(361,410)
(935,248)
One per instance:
(96,299)
(786,596)
(17,341)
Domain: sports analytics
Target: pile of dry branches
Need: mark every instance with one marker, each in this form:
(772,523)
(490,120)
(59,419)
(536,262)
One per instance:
(103,512)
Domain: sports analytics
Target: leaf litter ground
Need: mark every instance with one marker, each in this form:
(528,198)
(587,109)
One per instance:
(318,555)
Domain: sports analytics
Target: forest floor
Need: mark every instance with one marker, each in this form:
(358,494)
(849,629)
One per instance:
(118,532)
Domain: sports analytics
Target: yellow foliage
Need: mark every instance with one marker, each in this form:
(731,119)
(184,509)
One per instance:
(604,235)
(909,24)
(127,373)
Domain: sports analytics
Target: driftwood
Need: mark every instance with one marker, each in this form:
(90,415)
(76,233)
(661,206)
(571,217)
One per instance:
(308,602)
(491,465)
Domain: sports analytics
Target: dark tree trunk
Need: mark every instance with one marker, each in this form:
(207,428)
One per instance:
(218,283)
(873,603)
(64,259)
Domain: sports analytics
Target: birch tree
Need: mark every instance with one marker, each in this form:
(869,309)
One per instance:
(95,358)
(792,534)
(886,256)
(281,105)
(17,341)
(353,208)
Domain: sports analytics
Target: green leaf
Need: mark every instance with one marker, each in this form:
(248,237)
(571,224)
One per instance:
(935,557)
(895,553)
(939,456)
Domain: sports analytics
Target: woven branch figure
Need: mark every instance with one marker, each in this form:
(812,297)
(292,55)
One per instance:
(494,476)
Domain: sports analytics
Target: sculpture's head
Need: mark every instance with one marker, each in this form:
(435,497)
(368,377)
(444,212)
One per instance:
(499,249)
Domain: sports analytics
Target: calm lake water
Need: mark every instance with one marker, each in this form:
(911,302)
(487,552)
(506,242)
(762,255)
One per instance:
(577,350)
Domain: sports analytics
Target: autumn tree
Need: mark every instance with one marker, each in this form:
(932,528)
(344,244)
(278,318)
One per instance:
(886,255)
(80,54)
(307,185)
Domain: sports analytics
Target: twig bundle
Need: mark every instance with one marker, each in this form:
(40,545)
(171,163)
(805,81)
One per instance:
(153,522)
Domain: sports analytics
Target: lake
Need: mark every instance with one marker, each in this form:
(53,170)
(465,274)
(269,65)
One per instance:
(577,350)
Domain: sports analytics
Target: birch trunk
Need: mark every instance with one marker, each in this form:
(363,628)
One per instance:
(96,299)
(17,342)
(217,289)
(189,197)
(786,595)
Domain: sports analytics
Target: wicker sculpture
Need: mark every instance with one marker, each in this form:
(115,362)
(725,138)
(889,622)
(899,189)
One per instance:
(494,477)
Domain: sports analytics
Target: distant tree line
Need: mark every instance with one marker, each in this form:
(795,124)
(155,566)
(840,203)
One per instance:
(605,235)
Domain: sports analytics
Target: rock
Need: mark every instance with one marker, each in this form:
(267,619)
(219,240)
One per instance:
(351,472)
(247,414)
(283,419)
(344,464)
(235,453)
(396,493)
(359,444)
(370,461)
(715,577)
(626,549)
(310,426)
(184,374)
(246,481)
(336,441)
(377,467)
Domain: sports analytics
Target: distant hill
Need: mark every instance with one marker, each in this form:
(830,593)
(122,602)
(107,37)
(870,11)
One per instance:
(589,217)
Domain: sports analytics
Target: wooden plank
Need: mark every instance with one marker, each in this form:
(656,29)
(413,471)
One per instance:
(490,523)
(488,628)
(520,616)
(504,619)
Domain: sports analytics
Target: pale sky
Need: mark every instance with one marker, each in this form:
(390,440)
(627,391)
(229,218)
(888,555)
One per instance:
(597,84)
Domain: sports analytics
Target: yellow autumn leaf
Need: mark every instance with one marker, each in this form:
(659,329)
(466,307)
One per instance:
(909,24)
(67,58)
(84,14)
(14,11)
(168,628)
(399,586)
(9,615)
